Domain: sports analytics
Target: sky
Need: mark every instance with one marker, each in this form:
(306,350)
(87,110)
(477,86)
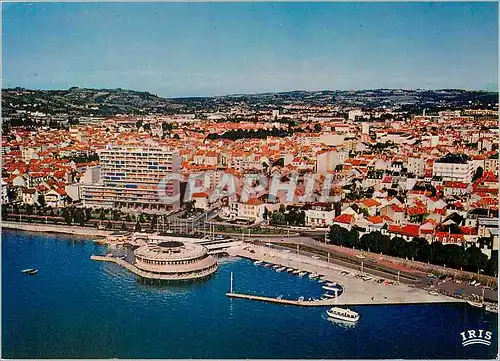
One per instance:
(207,49)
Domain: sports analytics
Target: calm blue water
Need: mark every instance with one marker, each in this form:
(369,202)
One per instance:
(78,308)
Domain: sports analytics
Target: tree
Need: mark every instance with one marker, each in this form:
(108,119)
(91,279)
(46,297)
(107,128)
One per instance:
(476,259)
(41,200)
(124,226)
(128,218)
(141,218)
(338,235)
(317,128)
(478,174)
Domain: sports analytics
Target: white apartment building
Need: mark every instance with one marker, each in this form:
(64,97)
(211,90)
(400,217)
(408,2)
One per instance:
(132,177)
(416,166)
(454,168)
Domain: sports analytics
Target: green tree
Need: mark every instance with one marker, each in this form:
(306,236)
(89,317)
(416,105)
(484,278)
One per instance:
(124,226)
(41,200)
(478,174)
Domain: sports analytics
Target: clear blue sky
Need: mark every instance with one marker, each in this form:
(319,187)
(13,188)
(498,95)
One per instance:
(182,49)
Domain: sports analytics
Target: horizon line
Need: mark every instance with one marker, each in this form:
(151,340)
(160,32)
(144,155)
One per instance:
(251,93)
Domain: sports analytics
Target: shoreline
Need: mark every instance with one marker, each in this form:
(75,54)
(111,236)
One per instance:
(73,230)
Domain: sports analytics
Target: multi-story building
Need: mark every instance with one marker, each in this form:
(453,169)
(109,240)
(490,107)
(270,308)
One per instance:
(133,177)
(453,167)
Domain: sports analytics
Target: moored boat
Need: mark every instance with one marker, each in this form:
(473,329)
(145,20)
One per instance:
(30,271)
(281,269)
(328,295)
(332,288)
(491,308)
(313,275)
(302,273)
(290,270)
(258,263)
(296,272)
(343,314)
(276,266)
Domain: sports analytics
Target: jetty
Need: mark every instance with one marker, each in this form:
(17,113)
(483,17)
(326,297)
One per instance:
(305,303)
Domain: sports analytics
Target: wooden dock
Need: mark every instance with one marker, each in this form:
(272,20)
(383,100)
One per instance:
(305,303)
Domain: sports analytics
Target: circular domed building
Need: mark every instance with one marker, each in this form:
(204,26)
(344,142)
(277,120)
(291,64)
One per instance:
(174,261)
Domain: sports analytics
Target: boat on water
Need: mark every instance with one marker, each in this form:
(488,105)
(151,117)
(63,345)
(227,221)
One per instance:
(290,270)
(279,297)
(300,299)
(258,263)
(302,273)
(267,265)
(327,295)
(331,284)
(475,304)
(332,288)
(313,275)
(296,272)
(276,266)
(491,308)
(30,271)
(321,280)
(343,314)
(281,269)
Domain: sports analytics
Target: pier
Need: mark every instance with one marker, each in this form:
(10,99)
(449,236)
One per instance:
(305,303)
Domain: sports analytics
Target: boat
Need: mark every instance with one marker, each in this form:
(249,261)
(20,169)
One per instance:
(300,299)
(30,271)
(276,266)
(290,270)
(258,263)
(343,314)
(332,288)
(475,304)
(331,284)
(328,295)
(279,297)
(302,273)
(313,275)
(281,269)
(321,280)
(491,308)
(267,265)
(296,272)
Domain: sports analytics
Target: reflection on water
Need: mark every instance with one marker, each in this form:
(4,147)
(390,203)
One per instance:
(341,323)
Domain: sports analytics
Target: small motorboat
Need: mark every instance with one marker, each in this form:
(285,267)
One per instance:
(281,269)
(267,265)
(313,276)
(296,272)
(328,295)
(300,299)
(302,273)
(279,297)
(276,266)
(257,263)
(321,280)
(290,270)
(30,271)
(343,314)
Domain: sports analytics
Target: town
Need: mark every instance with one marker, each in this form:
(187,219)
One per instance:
(411,174)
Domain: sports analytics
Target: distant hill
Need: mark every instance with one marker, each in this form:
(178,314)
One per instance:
(85,102)
(77,102)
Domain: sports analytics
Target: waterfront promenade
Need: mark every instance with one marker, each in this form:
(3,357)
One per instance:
(356,291)
(79,231)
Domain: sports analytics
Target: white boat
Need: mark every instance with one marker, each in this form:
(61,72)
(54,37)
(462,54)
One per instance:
(276,266)
(321,280)
(30,271)
(301,298)
(267,265)
(491,308)
(475,304)
(328,295)
(331,284)
(281,269)
(302,273)
(290,270)
(279,297)
(343,314)
(332,288)
(296,272)
(313,275)
(257,263)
